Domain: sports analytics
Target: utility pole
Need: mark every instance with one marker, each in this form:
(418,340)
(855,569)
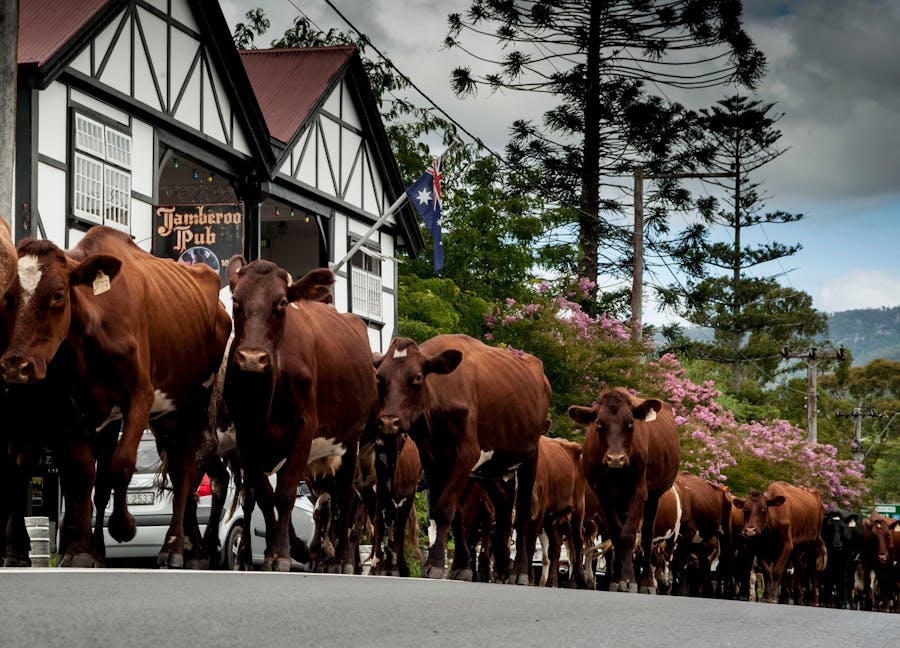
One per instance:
(637,274)
(812,358)
(858,415)
(9,30)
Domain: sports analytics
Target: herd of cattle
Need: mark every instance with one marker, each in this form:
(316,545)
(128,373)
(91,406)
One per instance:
(104,340)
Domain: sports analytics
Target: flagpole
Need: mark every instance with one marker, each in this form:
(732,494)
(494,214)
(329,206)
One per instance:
(390,210)
(365,237)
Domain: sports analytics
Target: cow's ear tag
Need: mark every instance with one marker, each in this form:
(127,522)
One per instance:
(852,524)
(651,416)
(101,283)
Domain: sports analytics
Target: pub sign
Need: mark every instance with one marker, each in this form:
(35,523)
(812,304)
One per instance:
(192,234)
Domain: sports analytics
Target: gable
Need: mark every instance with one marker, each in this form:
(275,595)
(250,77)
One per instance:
(335,154)
(155,53)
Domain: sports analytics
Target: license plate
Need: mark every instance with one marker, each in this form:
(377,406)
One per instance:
(141,497)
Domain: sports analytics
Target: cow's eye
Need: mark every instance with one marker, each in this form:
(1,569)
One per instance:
(283,304)
(58,297)
(419,379)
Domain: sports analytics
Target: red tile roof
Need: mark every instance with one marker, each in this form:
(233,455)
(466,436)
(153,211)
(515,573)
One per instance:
(47,25)
(290,82)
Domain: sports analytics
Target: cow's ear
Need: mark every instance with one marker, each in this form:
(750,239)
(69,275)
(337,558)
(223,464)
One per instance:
(868,523)
(377,357)
(893,525)
(315,285)
(582,415)
(778,500)
(234,267)
(738,502)
(647,410)
(444,362)
(89,271)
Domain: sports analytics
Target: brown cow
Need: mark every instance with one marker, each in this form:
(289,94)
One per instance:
(705,535)
(8,258)
(666,539)
(140,339)
(879,559)
(782,524)
(300,389)
(557,504)
(472,410)
(631,455)
(398,480)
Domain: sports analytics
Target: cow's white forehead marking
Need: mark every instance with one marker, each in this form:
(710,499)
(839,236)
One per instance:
(399,353)
(29,276)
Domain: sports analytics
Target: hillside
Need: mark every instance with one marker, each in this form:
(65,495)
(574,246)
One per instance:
(869,333)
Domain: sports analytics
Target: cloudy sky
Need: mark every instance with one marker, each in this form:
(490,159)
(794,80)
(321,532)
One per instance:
(832,69)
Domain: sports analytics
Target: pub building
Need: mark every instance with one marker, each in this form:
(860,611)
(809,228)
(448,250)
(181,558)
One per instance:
(143,116)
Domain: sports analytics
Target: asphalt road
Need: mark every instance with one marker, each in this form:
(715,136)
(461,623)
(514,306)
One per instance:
(133,608)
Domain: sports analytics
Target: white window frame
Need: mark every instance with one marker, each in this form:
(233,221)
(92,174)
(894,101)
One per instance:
(366,296)
(101,173)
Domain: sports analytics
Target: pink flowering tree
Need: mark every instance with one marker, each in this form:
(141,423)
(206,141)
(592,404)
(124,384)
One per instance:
(744,456)
(582,354)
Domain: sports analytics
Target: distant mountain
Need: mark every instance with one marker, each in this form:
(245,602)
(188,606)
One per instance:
(869,333)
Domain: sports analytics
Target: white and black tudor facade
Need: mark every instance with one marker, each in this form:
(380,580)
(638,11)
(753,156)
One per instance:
(142,115)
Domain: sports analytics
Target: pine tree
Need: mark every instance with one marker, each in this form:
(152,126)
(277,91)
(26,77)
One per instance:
(752,315)
(596,56)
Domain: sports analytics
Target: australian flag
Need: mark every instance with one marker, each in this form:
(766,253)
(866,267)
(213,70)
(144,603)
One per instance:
(425,195)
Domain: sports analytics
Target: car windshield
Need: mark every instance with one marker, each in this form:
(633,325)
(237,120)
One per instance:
(147,456)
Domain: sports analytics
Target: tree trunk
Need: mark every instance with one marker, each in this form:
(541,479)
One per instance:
(737,333)
(9,23)
(589,230)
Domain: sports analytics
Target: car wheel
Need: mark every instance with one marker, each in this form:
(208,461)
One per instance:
(233,547)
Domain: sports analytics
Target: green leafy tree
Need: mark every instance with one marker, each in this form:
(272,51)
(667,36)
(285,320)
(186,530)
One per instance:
(752,316)
(433,305)
(595,58)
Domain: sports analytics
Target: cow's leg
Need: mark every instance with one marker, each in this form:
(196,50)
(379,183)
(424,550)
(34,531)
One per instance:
(218,484)
(776,571)
(344,495)
(648,581)
(286,492)
(574,526)
(525,476)
(77,474)
(555,549)
(625,549)
(404,509)
(104,445)
(501,495)
(443,493)
(18,543)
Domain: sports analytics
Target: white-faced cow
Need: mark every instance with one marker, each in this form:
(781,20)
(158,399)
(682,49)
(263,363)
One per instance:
(140,339)
(300,388)
(879,560)
(631,455)
(472,410)
(780,525)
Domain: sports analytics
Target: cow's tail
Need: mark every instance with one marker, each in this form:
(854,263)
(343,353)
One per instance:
(412,536)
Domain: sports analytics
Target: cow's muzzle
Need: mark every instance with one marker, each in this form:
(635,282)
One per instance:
(18,370)
(750,532)
(615,459)
(389,424)
(254,360)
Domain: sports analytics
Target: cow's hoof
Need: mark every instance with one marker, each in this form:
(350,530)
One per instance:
(82,560)
(464,574)
(632,588)
(433,572)
(394,572)
(613,587)
(522,579)
(645,589)
(281,564)
(121,526)
(267,564)
(14,561)
(348,569)
(197,563)
(176,561)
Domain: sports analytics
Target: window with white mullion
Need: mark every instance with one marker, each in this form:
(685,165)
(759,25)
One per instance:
(102,177)
(88,188)
(118,197)
(366,289)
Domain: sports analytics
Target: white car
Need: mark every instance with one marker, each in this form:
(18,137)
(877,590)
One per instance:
(152,511)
